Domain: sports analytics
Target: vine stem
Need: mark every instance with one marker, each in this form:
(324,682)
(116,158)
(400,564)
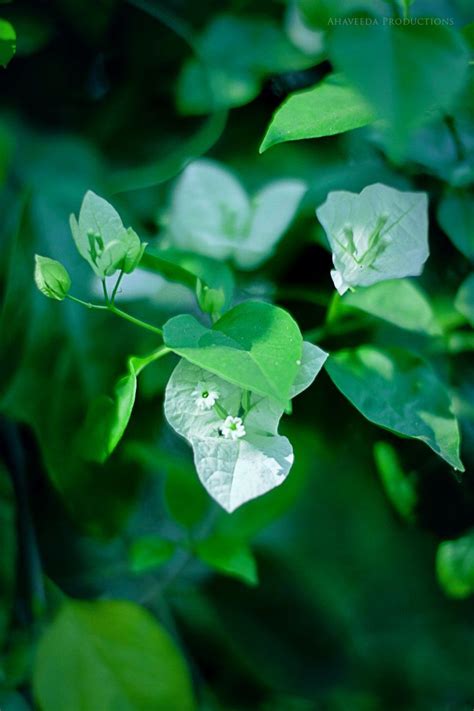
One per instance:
(118,312)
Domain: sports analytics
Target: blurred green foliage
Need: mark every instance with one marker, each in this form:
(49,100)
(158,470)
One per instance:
(123,586)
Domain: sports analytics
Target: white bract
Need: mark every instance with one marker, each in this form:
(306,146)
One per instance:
(238,452)
(211,214)
(379,234)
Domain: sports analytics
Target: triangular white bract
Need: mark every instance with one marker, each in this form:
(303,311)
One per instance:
(379,234)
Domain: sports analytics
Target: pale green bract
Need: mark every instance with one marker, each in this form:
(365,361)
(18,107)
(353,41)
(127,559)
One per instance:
(211,214)
(51,278)
(102,240)
(234,471)
(379,234)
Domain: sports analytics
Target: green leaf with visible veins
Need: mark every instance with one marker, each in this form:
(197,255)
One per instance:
(330,107)
(255,345)
(399,391)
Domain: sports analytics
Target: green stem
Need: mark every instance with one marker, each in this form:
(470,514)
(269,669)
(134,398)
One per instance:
(118,312)
(104,289)
(301,294)
(333,329)
(156,355)
(143,324)
(117,284)
(87,304)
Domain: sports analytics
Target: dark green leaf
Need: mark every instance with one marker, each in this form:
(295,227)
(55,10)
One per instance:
(150,552)
(465,299)
(229,556)
(399,391)
(456,217)
(7,42)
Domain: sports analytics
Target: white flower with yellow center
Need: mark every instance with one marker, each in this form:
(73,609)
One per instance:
(206,398)
(233,428)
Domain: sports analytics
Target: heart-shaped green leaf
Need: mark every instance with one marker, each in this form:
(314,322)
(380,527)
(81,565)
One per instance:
(255,345)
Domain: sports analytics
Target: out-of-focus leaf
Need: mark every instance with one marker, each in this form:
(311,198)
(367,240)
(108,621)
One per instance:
(228,556)
(456,217)
(399,391)
(127,661)
(330,107)
(7,42)
(236,55)
(380,234)
(398,486)
(415,69)
(455,566)
(149,552)
(11,701)
(465,299)
(400,302)
(8,557)
(190,269)
(255,346)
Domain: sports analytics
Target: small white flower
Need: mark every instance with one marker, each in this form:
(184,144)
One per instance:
(205,397)
(233,428)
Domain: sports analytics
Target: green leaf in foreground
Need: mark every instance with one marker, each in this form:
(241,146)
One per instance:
(399,391)
(398,486)
(455,566)
(330,107)
(400,302)
(465,299)
(108,417)
(378,234)
(7,42)
(255,346)
(51,278)
(126,661)
(228,556)
(456,217)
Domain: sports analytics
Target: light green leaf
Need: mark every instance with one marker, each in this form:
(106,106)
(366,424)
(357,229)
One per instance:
(379,234)
(229,556)
(255,345)
(127,661)
(455,566)
(412,309)
(399,391)
(149,552)
(51,278)
(108,417)
(398,486)
(7,42)
(465,299)
(102,240)
(414,70)
(212,215)
(456,217)
(330,107)
(236,54)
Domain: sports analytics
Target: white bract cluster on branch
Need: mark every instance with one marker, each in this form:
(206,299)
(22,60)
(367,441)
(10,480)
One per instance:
(238,452)
(211,214)
(379,234)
